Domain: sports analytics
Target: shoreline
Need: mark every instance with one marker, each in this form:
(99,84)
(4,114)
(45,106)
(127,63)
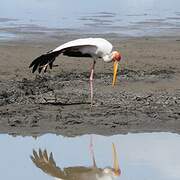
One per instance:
(145,99)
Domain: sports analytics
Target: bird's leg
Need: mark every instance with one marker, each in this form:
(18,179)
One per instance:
(92,152)
(45,67)
(91,81)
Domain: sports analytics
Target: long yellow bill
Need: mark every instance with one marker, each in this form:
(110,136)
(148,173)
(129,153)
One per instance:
(116,168)
(115,72)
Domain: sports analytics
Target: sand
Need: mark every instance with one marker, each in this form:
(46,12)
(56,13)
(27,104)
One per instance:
(146,97)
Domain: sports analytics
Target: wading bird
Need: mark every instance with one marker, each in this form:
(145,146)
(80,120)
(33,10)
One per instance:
(87,47)
(48,165)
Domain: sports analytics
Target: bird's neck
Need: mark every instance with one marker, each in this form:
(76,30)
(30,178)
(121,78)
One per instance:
(107,58)
(104,177)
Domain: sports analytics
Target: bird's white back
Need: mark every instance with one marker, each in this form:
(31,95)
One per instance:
(103,46)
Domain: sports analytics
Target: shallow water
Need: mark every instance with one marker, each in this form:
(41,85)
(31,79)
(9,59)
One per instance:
(125,17)
(141,156)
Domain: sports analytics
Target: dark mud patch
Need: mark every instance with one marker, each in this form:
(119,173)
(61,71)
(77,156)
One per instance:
(61,104)
(153,75)
(47,88)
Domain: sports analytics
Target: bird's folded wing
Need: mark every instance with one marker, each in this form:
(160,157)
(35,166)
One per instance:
(79,170)
(80,51)
(47,164)
(47,59)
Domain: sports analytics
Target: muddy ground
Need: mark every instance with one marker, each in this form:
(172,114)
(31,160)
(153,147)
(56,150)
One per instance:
(146,97)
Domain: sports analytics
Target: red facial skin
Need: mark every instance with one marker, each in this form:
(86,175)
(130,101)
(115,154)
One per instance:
(116,56)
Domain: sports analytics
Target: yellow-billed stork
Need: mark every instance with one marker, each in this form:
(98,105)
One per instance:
(87,47)
(47,164)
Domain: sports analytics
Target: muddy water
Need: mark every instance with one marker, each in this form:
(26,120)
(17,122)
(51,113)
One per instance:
(126,17)
(141,156)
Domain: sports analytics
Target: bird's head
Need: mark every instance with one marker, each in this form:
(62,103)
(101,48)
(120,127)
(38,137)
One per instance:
(116,57)
(115,170)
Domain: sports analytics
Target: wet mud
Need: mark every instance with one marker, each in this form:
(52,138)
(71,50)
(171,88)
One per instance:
(146,97)
(61,104)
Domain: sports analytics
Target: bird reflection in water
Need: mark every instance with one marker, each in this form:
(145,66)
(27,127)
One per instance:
(47,164)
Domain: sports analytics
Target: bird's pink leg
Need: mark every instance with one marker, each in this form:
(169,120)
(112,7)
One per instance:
(91,81)
(92,152)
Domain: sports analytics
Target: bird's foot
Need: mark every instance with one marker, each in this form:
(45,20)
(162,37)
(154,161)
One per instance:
(55,65)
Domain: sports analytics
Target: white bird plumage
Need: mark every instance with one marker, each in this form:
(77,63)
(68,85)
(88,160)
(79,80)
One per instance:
(87,47)
(96,47)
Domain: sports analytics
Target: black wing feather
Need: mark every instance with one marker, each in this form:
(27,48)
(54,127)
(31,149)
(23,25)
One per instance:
(44,60)
(75,52)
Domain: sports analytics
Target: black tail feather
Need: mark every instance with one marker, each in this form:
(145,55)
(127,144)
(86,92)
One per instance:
(39,70)
(41,61)
(51,63)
